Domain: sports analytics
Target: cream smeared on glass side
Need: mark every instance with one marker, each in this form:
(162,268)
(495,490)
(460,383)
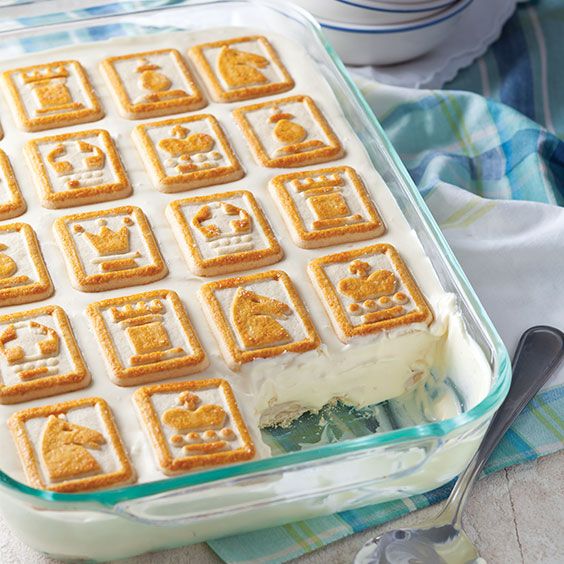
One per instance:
(367,370)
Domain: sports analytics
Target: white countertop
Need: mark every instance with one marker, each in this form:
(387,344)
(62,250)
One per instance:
(514,516)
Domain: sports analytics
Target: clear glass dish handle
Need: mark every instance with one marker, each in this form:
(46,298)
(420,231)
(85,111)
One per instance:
(295,485)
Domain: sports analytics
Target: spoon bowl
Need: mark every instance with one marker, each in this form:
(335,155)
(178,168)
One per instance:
(441,544)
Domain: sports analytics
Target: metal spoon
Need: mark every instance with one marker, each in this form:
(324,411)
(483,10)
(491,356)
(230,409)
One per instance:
(443,541)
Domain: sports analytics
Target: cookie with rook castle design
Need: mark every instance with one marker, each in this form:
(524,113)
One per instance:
(257,316)
(241,68)
(152,83)
(185,153)
(51,95)
(368,290)
(326,207)
(71,447)
(77,168)
(146,337)
(193,424)
(23,275)
(288,132)
(12,203)
(39,356)
(223,233)
(109,249)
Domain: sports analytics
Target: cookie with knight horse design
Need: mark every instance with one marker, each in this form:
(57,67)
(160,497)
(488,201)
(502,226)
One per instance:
(241,68)
(257,316)
(71,447)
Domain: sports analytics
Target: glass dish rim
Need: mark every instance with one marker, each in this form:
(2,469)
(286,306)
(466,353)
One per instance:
(501,368)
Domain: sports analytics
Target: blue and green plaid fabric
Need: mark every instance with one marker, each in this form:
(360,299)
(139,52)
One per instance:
(493,132)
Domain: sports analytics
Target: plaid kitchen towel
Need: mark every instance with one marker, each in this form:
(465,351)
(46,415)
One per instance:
(486,155)
(485,152)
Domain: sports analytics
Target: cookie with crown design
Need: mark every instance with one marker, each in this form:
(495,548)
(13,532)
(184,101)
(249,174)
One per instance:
(185,153)
(288,132)
(146,337)
(39,356)
(71,447)
(257,316)
(51,95)
(77,168)
(241,68)
(109,249)
(152,83)
(193,424)
(223,233)
(326,207)
(12,203)
(23,275)
(368,290)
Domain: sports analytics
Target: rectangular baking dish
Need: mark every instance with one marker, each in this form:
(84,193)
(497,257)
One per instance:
(398,460)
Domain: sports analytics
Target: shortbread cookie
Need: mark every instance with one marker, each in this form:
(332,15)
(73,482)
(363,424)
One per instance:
(39,356)
(193,424)
(23,275)
(288,132)
(146,337)
(185,153)
(12,203)
(71,447)
(51,95)
(152,83)
(257,316)
(326,207)
(241,68)
(73,169)
(223,233)
(368,290)
(109,249)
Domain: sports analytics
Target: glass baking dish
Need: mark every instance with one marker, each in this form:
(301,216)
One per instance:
(399,459)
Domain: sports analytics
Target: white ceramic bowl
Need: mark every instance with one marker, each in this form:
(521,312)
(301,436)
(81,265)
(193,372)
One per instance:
(399,5)
(389,44)
(396,5)
(347,12)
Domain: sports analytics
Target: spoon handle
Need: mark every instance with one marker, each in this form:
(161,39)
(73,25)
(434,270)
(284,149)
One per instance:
(538,353)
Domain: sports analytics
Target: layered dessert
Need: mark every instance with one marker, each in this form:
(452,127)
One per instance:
(213,253)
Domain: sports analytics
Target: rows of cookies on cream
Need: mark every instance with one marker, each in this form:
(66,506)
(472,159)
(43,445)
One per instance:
(387,325)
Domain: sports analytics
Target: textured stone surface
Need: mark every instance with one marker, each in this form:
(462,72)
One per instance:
(514,516)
